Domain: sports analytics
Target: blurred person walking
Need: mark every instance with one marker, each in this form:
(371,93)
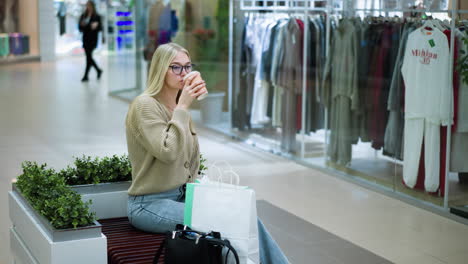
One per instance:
(90,25)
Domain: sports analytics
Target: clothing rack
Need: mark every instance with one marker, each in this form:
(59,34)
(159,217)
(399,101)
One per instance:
(278,15)
(281,5)
(410,10)
(298,9)
(304,7)
(405,10)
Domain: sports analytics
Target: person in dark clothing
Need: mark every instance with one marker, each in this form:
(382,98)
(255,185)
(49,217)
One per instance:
(90,25)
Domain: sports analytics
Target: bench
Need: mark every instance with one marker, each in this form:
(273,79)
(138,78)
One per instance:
(126,244)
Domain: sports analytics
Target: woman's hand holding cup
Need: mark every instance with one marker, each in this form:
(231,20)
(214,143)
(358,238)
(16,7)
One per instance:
(195,79)
(194,87)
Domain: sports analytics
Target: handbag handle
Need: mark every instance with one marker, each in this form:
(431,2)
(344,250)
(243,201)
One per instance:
(231,249)
(225,243)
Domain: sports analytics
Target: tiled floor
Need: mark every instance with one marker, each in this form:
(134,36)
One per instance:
(47,115)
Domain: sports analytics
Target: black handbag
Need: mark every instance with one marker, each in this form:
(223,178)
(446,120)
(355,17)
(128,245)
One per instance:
(184,246)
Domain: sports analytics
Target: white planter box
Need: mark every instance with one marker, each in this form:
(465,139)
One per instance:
(109,199)
(33,242)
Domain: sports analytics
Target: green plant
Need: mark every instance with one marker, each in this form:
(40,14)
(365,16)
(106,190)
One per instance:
(87,171)
(90,170)
(203,167)
(115,168)
(462,63)
(68,210)
(69,175)
(49,195)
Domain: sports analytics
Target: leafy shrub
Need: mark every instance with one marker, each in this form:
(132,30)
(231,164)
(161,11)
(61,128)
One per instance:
(69,176)
(115,168)
(68,209)
(48,194)
(90,170)
(87,170)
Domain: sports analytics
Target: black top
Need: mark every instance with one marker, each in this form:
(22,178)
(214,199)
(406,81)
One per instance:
(90,36)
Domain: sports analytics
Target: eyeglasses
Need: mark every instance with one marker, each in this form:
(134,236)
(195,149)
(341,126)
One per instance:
(177,69)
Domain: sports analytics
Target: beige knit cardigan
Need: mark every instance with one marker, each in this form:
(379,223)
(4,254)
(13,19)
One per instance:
(162,147)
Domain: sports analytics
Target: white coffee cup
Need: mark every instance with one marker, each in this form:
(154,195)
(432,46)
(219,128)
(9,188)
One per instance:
(198,78)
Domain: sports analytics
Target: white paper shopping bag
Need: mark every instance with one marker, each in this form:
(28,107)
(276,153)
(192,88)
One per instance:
(226,208)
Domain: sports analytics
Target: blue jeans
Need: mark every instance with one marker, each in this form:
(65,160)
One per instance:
(159,213)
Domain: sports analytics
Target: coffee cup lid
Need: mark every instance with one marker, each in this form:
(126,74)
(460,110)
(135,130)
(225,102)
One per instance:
(190,74)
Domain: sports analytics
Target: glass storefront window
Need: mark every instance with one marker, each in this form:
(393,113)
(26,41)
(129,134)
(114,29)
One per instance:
(351,104)
(201,26)
(18,29)
(273,106)
(314,81)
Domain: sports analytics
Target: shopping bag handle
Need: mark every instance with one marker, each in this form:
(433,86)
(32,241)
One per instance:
(231,172)
(236,176)
(223,162)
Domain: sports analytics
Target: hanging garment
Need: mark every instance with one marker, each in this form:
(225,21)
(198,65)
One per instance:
(421,178)
(428,97)
(290,78)
(367,72)
(253,39)
(462,113)
(298,110)
(265,73)
(315,111)
(326,80)
(380,85)
(364,50)
(443,129)
(261,86)
(251,44)
(415,131)
(276,60)
(244,90)
(459,151)
(267,59)
(459,146)
(344,93)
(290,70)
(394,131)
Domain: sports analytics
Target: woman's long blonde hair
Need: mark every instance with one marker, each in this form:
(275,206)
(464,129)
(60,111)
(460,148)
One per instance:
(162,58)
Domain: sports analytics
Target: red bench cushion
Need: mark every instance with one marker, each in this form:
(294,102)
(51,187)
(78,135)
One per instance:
(126,244)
